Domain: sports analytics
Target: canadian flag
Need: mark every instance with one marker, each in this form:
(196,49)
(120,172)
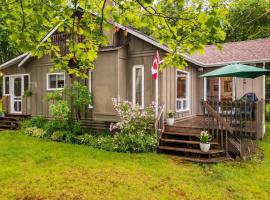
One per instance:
(155,66)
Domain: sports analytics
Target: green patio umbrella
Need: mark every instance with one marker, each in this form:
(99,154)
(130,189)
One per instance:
(237,70)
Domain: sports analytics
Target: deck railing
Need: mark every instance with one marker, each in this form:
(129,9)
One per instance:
(216,125)
(229,122)
(242,118)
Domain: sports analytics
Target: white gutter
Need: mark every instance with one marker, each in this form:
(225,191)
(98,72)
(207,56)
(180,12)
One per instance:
(242,62)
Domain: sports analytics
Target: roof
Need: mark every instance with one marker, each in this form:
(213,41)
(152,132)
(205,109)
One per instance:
(13,61)
(23,58)
(249,51)
(142,36)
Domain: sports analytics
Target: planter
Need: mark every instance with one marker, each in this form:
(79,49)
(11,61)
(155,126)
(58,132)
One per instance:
(205,147)
(170,121)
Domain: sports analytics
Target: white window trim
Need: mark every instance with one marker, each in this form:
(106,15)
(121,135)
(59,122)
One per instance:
(187,91)
(47,80)
(134,84)
(12,75)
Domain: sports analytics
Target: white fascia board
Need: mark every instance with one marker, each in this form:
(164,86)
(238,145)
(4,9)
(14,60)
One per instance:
(12,61)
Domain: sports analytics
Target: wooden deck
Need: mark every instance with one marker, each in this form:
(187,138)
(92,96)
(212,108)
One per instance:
(198,122)
(193,122)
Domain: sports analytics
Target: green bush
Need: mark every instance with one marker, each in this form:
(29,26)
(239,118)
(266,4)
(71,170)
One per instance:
(100,142)
(60,110)
(71,138)
(38,122)
(58,136)
(133,143)
(35,132)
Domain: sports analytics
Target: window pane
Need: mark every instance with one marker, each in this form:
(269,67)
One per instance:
(178,104)
(184,104)
(7,85)
(181,86)
(17,87)
(26,83)
(61,81)
(52,81)
(138,86)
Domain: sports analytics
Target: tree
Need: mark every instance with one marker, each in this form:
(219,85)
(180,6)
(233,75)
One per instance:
(183,25)
(248,19)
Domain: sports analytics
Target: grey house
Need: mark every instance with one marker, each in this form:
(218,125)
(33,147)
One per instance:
(123,70)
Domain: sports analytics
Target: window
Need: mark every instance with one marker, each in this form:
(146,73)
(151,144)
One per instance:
(55,81)
(26,82)
(182,87)
(138,85)
(6,85)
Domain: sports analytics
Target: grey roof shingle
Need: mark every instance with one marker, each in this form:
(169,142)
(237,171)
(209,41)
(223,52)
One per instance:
(243,51)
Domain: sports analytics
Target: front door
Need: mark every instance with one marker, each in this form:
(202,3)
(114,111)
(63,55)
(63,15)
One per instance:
(16,94)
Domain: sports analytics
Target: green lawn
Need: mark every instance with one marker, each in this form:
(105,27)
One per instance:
(32,168)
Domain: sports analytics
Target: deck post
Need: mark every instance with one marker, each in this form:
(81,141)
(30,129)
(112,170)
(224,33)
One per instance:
(259,119)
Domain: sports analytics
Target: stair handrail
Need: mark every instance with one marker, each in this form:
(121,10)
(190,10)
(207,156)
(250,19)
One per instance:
(159,121)
(220,120)
(217,116)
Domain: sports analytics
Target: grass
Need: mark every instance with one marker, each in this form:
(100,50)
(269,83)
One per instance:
(32,168)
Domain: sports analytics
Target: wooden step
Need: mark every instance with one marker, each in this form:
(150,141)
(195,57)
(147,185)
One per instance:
(8,126)
(187,150)
(181,134)
(184,141)
(7,121)
(206,160)
(185,129)
(9,118)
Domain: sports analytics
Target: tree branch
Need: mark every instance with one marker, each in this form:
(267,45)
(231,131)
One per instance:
(102,16)
(23,16)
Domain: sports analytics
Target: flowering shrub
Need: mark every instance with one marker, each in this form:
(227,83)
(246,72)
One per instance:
(135,131)
(133,119)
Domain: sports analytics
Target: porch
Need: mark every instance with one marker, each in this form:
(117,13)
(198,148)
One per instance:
(233,125)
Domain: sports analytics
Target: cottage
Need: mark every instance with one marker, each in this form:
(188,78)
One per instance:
(123,70)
